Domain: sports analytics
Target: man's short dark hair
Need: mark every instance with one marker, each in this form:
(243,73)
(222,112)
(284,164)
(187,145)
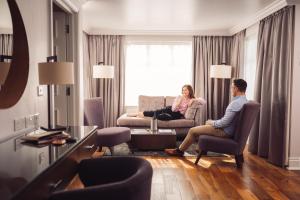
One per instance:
(240,84)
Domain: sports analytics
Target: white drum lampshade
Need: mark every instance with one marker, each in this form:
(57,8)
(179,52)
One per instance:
(103,71)
(56,73)
(220,71)
(4,69)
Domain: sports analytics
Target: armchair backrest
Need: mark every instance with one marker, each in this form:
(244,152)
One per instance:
(94,112)
(245,121)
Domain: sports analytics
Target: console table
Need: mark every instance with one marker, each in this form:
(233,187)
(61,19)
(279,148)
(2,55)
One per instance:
(32,172)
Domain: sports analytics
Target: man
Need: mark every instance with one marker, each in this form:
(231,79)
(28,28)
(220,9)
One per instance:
(224,127)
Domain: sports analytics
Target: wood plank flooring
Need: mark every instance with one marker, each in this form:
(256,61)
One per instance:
(218,178)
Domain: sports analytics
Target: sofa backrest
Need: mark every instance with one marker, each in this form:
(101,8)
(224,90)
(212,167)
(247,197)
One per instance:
(151,103)
(169,100)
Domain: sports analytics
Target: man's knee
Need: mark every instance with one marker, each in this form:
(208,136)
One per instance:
(200,129)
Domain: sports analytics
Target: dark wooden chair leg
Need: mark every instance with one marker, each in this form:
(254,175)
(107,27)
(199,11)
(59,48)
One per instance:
(112,150)
(199,156)
(239,159)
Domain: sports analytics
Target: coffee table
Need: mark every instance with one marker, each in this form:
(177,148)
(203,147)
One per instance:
(144,139)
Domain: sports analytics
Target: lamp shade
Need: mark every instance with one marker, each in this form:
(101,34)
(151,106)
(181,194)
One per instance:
(4,69)
(103,71)
(220,71)
(57,73)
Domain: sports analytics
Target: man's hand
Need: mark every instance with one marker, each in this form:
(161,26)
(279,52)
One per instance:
(209,122)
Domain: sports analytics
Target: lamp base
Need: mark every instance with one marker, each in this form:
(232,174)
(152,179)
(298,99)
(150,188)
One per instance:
(56,128)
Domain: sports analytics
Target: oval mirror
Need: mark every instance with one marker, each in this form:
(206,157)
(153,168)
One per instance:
(14,55)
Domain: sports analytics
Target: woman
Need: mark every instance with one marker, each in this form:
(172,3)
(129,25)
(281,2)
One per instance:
(178,109)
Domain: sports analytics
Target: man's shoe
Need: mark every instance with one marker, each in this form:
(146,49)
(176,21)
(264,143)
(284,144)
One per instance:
(174,152)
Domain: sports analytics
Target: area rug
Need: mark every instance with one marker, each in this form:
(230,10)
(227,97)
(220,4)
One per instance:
(124,150)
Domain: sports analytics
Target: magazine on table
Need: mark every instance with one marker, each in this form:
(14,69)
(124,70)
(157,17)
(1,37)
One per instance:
(44,137)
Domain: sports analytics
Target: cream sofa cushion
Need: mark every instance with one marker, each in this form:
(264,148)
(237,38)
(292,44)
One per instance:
(124,120)
(169,100)
(149,103)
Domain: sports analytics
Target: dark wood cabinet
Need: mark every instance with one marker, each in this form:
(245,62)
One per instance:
(61,170)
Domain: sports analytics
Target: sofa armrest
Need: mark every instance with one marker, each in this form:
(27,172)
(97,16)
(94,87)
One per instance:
(199,116)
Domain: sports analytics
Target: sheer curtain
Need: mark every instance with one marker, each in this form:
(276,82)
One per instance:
(273,80)
(107,49)
(156,68)
(209,50)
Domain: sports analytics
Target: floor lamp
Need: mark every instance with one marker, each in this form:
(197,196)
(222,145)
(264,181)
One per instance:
(103,71)
(220,71)
(55,73)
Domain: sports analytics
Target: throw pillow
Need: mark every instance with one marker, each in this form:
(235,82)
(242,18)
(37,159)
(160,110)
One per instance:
(191,111)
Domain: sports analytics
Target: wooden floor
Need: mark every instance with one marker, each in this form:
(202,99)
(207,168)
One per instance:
(218,178)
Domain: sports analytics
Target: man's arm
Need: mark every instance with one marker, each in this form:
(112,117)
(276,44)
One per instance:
(226,120)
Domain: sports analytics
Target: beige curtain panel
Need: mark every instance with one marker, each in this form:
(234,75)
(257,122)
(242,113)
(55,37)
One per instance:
(212,50)
(109,50)
(272,90)
(6,44)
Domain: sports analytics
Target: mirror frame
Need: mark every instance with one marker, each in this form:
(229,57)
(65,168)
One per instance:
(17,77)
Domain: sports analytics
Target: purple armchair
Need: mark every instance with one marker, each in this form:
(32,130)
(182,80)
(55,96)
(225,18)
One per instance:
(235,145)
(111,178)
(108,137)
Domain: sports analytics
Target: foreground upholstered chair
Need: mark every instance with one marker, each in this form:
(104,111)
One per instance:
(235,145)
(111,178)
(94,116)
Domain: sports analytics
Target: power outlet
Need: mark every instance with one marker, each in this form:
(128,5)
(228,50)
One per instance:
(30,121)
(19,124)
(40,90)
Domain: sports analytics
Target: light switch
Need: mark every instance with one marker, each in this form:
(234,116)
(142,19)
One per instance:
(40,90)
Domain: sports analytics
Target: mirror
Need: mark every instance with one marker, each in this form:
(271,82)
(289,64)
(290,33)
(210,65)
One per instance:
(6,40)
(14,45)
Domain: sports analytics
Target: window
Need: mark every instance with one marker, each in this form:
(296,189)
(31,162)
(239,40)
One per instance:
(250,61)
(156,68)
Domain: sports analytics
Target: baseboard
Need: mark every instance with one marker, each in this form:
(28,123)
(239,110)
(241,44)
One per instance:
(294,163)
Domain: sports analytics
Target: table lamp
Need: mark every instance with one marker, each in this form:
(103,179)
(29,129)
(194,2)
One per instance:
(55,73)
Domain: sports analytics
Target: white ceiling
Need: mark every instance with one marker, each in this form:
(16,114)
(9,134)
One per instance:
(162,16)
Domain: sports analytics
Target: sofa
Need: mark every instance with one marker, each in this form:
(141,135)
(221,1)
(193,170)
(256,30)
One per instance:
(193,115)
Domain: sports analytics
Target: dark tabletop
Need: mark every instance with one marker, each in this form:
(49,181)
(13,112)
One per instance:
(21,163)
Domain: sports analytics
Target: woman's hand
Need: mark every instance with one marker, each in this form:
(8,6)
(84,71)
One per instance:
(178,101)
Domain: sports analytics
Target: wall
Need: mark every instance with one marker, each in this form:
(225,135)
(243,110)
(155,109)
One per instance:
(294,154)
(35,15)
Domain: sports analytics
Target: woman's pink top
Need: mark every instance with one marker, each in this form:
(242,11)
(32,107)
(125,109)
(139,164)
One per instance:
(182,107)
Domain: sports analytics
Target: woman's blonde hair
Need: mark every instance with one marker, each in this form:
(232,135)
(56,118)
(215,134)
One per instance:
(190,89)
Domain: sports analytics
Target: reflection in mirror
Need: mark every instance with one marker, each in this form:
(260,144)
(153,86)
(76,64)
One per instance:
(4,68)
(12,31)
(6,40)
(6,30)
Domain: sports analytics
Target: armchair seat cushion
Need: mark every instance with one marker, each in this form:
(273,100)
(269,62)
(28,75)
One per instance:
(218,144)
(112,136)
